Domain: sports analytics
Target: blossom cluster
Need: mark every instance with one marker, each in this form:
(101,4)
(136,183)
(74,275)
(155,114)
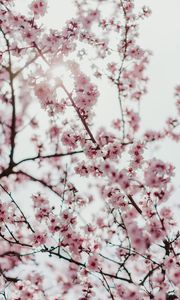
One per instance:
(85,213)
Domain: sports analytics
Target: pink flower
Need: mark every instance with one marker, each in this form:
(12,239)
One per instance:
(54,224)
(3,212)
(42,91)
(39,7)
(86,92)
(67,236)
(87,21)
(47,97)
(155,230)
(112,67)
(113,150)
(82,169)
(30,34)
(36,279)
(93,263)
(38,238)
(161,295)
(170,262)
(69,139)
(138,239)
(67,217)
(133,119)
(122,179)
(166,212)
(158,174)
(121,291)
(54,131)
(174,275)
(117,124)
(133,295)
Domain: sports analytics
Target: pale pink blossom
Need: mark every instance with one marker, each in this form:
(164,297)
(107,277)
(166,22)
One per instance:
(38,7)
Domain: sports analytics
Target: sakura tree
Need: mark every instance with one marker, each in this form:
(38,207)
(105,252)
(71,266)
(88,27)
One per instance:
(84,214)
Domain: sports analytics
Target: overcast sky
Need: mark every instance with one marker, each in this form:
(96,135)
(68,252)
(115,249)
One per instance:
(160,33)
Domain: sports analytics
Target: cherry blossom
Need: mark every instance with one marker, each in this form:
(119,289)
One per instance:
(38,7)
(86,212)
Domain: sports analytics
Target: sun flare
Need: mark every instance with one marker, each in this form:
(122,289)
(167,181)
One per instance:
(58,71)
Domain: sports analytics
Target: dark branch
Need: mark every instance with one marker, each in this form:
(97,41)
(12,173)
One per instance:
(48,156)
(134,204)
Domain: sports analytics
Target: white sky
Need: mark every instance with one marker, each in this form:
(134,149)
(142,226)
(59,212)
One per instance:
(160,33)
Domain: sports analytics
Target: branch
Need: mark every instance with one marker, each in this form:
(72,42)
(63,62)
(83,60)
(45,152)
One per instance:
(107,286)
(15,242)
(13,117)
(71,99)
(42,182)
(120,70)
(149,274)
(84,266)
(25,66)
(41,54)
(134,204)
(7,278)
(79,114)
(9,170)
(48,156)
(20,210)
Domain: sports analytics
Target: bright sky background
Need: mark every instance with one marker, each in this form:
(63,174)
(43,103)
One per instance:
(160,33)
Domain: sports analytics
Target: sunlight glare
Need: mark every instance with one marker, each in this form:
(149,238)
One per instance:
(59,73)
